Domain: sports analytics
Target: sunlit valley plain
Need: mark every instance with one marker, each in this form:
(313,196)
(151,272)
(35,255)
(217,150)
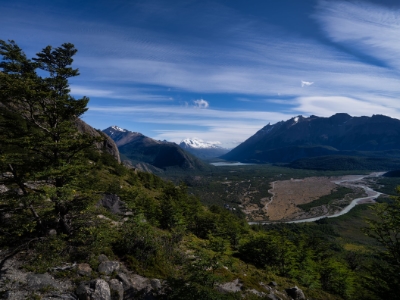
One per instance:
(200,150)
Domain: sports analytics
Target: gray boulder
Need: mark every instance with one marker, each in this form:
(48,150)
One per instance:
(230,287)
(272,296)
(117,289)
(102,258)
(295,293)
(257,293)
(156,284)
(113,203)
(84,269)
(139,287)
(140,283)
(15,295)
(108,267)
(96,289)
(126,283)
(57,296)
(41,281)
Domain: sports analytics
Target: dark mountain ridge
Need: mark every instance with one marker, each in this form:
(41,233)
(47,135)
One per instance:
(340,134)
(138,148)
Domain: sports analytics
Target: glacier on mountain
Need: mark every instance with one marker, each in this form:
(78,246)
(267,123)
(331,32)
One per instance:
(200,144)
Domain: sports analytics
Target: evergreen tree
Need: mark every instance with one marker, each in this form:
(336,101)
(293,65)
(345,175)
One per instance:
(385,229)
(42,151)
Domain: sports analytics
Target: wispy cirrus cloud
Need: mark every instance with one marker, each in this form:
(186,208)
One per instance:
(253,65)
(252,59)
(121,94)
(167,111)
(371,29)
(327,106)
(207,124)
(160,62)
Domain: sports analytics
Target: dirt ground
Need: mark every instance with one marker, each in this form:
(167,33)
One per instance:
(287,194)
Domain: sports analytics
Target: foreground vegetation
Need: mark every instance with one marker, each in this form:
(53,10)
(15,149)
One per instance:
(53,178)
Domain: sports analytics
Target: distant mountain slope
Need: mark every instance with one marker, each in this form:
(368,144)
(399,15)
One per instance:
(138,148)
(202,149)
(339,134)
(344,162)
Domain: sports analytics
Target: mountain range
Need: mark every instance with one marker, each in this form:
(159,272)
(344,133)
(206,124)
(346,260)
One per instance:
(151,155)
(337,142)
(308,137)
(202,149)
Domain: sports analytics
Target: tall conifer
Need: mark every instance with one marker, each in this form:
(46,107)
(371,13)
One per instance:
(41,151)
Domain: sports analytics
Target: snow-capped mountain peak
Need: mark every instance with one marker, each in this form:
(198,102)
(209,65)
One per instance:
(297,119)
(116,128)
(199,144)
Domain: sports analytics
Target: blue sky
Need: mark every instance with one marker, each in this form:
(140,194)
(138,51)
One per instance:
(218,70)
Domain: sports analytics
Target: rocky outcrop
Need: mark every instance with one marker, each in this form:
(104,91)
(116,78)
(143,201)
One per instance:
(97,289)
(230,287)
(84,269)
(114,282)
(269,291)
(117,289)
(17,284)
(113,203)
(108,267)
(107,145)
(109,280)
(41,281)
(296,293)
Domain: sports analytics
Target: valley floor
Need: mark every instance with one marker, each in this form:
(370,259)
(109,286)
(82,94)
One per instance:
(289,195)
(273,194)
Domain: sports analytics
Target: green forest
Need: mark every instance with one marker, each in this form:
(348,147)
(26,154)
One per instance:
(53,176)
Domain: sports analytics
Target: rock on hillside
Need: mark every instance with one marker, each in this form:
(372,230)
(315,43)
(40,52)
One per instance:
(107,145)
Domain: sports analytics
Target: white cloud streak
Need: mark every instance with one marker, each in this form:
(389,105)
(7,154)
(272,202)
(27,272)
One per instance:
(207,124)
(372,29)
(327,106)
(127,94)
(249,61)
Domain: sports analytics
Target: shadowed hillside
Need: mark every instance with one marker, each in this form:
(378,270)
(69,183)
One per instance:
(340,134)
